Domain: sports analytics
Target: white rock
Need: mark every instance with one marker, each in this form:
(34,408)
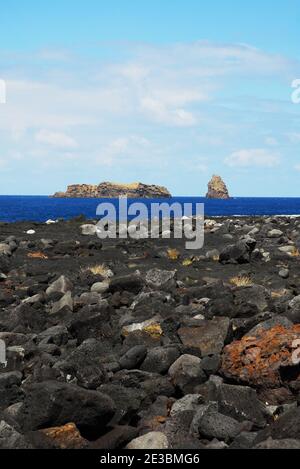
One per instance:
(88,230)
(5,249)
(254,231)
(65,301)
(122,229)
(30,232)
(161,279)
(62,285)
(139,326)
(100,287)
(166,234)
(50,222)
(287,249)
(188,402)
(133,229)
(152,440)
(275,233)
(210,223)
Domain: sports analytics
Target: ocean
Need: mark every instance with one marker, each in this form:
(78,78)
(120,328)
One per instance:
(43,208)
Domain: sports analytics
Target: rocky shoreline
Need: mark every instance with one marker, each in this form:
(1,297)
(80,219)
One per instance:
(142,344)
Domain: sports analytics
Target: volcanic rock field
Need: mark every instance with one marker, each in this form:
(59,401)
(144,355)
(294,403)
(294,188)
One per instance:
(142,344)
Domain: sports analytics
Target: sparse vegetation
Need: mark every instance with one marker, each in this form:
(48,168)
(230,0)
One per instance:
(173,254)
(99,269)
(241,281)
(295,252)
(278,293)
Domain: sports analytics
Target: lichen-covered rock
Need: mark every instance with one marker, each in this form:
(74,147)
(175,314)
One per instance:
(65,437)
(266,359)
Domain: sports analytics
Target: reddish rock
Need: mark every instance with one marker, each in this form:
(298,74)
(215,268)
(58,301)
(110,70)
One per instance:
(65,437)
(266,359)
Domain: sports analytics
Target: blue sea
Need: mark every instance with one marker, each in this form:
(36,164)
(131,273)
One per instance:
(43,208)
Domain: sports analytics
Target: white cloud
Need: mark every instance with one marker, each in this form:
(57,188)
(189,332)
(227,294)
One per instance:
(161,84)
(169,96)
(157,110)
(253,157)
(124,149)
(55,139)
(271,142)
(294,137)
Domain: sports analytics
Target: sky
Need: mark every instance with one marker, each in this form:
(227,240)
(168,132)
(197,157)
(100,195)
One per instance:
(165,92)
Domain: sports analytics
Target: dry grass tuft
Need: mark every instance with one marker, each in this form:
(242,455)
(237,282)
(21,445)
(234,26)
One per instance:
(187,262)
(278,293)
(241,281)
(173,254)
(99,269)
(295,252)
(216,258)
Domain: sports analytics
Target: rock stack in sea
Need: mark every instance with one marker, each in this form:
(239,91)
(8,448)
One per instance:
(217,189)
(110,190)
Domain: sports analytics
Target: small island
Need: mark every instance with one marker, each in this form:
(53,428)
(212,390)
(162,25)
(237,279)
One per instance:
(111,190)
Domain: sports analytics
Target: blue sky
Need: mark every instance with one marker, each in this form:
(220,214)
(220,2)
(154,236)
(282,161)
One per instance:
(165,92)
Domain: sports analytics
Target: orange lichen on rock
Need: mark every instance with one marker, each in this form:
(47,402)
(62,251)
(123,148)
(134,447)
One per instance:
(65,437)
(37,255)
(261,360)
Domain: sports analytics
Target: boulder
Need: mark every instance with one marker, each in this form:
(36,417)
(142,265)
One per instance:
(186,373)
(100,287)
(134,357)
(240,403)
(159,359)
(275,233)
(209,423)
(152,440)
(52,404)
(61,285)
(264,358)
(208,337)
(65,303)
(238,253)
(161,279)
(10,438)
(287,426)
(88,230)
(10,391)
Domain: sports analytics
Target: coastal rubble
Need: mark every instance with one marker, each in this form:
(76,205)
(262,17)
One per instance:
(123,343)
